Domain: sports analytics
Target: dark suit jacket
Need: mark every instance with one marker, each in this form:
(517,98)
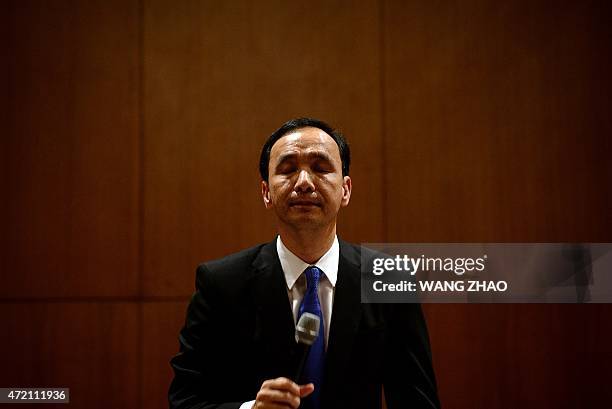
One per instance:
(239,331)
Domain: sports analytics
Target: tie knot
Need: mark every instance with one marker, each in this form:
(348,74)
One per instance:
(313,274)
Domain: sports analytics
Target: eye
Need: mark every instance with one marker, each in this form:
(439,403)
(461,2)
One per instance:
(322,167)
(285,168)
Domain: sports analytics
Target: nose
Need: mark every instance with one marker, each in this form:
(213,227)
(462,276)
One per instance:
(304,183)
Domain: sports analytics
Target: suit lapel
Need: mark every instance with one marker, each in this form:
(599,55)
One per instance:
(274,327)
(346,314)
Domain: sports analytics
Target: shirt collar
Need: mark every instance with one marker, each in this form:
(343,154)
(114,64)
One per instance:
(293,266)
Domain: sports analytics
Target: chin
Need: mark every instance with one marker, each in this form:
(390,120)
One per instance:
(304,220)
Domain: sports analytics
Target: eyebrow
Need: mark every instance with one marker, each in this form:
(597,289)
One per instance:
(311,155)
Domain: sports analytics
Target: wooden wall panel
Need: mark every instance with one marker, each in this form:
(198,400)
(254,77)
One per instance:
(219,78)
(91,348)
(476,121)
(162,322)
(496,129)
(70,150)
(497,121)
(521,356)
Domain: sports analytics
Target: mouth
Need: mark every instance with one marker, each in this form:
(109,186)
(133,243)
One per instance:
(304,203)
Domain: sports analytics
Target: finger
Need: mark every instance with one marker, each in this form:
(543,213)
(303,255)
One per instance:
(306,390)
(279,397)
(283,384)
(271,405)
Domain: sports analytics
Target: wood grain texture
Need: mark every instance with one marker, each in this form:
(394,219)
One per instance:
(475,121)
(91,348)
(70,150)
(528,356)
(496,121)
(219,78)
(162,322)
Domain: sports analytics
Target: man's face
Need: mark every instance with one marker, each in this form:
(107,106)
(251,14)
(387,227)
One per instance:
(305,185)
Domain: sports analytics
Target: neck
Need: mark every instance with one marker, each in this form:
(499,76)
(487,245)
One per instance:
(308,245)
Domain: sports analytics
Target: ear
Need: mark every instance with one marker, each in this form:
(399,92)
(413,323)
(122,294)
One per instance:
(265,194)
(347,187)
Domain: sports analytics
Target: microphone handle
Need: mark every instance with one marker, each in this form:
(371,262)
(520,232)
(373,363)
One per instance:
(298,374)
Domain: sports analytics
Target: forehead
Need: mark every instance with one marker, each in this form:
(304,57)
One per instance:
(305,141)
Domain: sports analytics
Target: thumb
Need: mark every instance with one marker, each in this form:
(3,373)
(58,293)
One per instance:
(306,390)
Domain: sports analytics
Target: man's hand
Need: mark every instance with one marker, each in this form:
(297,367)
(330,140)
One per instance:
(281,393)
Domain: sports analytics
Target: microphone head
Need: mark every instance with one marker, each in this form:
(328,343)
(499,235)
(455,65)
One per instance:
(307,328)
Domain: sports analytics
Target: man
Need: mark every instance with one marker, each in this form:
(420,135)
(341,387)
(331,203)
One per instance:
(238,347)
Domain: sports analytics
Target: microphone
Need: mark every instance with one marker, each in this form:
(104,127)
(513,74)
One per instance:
(306,332)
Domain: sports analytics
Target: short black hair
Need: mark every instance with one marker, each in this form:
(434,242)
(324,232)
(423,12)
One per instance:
(298,123)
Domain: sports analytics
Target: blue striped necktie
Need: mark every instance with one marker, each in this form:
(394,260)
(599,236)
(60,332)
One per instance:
(315,362)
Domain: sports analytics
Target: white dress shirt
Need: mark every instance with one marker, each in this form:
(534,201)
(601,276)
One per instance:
(293,268)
